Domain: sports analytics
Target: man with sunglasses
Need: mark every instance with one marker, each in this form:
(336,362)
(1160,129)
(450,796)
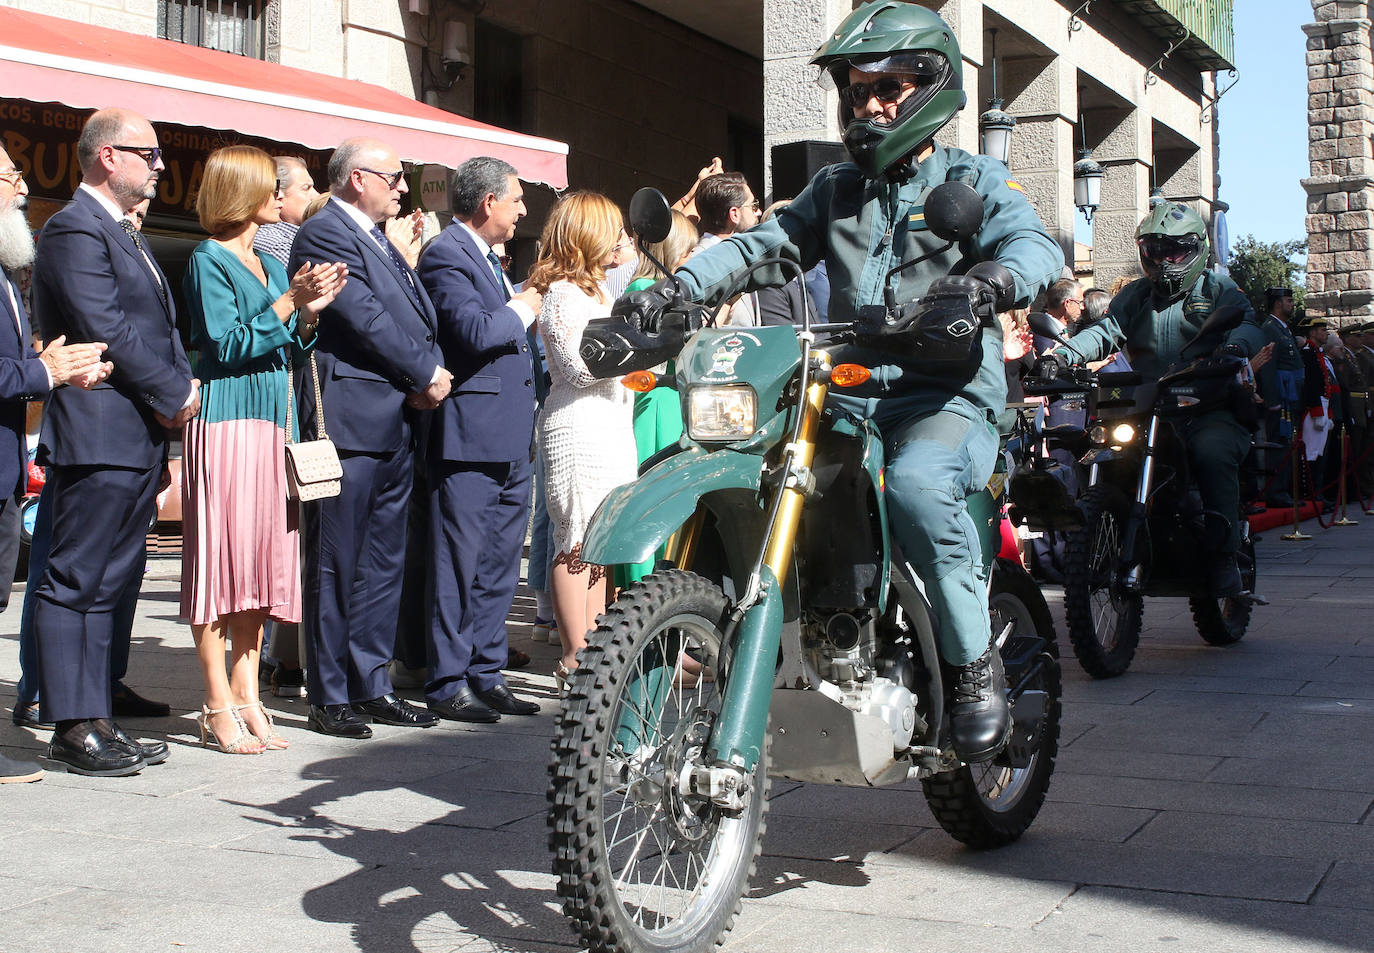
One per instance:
(379,372)
(900,76)
(1151,320)
(95,279)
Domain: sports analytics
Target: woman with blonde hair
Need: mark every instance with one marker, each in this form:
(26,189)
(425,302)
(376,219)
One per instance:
(240,557)
(585,430)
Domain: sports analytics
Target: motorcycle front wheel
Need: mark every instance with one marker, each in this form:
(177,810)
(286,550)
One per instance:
(1224,621)
(993,803)
(643,862)
(1103,621)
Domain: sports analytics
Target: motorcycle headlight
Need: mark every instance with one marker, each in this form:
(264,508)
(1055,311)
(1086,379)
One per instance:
(1123,433)
(728,412)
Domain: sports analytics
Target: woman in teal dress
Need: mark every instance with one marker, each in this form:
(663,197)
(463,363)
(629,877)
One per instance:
(658,414)
(240,551)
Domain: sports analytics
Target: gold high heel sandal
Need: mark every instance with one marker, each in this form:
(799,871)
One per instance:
(272,740)
(242,743)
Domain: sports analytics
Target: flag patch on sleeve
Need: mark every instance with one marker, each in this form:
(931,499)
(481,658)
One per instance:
(1013,184)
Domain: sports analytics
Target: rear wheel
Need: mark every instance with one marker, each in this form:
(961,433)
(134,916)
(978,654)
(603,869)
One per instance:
(644,863)
(993,803)
(1103,621)
(1224,621)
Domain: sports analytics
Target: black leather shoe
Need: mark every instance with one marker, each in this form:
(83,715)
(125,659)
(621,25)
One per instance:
(1281,501)
(979,716)
(390,710)
(337,720)
(502,699)
(465,706)
(152,752)
(82,749)
(18,772)
(129,704)
(26,716)
(516,659)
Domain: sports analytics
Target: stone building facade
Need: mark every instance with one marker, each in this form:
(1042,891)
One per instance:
(1340,190)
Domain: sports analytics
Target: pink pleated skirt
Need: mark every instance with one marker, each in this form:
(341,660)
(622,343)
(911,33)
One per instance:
(240,546)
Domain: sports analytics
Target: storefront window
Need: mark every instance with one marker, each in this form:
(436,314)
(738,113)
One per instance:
(231,26)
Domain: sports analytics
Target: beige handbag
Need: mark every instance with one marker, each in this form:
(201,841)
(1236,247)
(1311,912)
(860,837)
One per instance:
(313,470)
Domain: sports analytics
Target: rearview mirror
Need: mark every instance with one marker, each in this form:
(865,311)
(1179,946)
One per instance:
(1045,326)
(651,218)
(954,211)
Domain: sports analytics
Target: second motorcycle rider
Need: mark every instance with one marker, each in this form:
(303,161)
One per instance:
(898,70)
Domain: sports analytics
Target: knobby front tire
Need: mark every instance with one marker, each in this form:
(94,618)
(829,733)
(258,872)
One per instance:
(642,866)
(1103,623)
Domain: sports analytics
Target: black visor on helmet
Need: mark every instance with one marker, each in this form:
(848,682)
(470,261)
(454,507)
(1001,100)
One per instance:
(1169,249)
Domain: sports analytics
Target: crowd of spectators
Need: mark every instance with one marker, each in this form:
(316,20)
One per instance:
(316,316)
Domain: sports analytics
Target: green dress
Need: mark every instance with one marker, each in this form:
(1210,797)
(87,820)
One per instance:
(657,424)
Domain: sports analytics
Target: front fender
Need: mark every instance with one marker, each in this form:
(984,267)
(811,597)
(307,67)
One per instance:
(636,519)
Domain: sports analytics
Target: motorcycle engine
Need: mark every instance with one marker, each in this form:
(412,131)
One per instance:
(842,650)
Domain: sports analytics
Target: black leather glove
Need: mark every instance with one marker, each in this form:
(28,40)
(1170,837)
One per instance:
(990,288)
(1050,366)
(643,310)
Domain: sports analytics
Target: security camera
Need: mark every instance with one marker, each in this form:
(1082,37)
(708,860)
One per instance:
(455,56)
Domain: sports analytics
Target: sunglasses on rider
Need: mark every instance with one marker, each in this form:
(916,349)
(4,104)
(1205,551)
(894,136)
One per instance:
(887,89)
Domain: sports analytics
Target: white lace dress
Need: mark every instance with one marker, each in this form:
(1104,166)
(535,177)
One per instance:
(587,429)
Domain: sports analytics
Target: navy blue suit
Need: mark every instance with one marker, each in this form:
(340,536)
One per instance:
(375,346)
(479,465)
(104,447)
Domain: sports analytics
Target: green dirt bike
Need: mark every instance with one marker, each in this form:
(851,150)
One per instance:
(784,635)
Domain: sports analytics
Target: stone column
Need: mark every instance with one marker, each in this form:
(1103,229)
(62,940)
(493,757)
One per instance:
(1125,191)
(794,107)
(1340,191)
(1042,93)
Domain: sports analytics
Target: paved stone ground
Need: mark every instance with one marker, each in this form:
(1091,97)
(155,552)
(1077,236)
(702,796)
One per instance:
(1215,799)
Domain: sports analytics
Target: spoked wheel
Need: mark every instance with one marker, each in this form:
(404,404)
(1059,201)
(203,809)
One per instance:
(644,863)
(1224,621)
(1103,621)
(993,803)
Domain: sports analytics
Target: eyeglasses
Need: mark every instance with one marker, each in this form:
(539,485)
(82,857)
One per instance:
(1078,301)
(149,154)
(392,179)
(623,244)
(887,89)
(280,189)
(13,177)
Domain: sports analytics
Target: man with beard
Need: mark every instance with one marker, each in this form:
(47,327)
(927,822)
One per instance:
(95,280)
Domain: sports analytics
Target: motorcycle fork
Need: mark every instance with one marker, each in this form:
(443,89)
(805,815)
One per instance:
(1132,572)
(755,628)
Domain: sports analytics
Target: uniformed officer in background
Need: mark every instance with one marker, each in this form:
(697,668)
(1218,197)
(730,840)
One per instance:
(1280,386)
(900,79)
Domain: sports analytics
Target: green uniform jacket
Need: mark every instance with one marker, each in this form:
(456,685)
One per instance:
(862,228)
(1154,339)
(1286,358)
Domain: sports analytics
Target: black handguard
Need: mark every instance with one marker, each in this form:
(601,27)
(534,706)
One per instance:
(645,329)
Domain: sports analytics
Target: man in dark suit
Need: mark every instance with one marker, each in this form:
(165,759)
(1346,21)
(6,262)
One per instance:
(25,376)
(479,450)
(380,370)
(94,280)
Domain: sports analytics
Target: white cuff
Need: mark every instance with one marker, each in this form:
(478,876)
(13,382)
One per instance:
(189,398)
(523,311)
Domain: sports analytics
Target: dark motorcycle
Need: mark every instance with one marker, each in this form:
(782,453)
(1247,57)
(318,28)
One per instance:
(1144,531)
(784,635)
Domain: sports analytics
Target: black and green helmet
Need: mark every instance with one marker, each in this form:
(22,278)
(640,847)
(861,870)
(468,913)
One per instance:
(1173,246)
(887,36)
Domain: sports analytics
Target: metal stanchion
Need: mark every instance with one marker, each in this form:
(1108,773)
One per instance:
(1342,519)
(1296,452)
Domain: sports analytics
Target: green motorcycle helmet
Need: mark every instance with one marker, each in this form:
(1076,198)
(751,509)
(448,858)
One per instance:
(1173,246)
(892,37)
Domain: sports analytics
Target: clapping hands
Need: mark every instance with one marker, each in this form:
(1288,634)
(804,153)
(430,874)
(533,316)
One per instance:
(76,364)
(313,287)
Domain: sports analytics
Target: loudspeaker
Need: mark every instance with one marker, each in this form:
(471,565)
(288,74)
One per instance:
(796,163)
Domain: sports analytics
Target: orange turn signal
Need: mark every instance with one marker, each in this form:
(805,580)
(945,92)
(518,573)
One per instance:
(641,382)
(849,375)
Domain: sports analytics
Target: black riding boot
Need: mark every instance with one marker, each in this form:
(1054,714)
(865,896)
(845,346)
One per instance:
(979,716)
(1223,575)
